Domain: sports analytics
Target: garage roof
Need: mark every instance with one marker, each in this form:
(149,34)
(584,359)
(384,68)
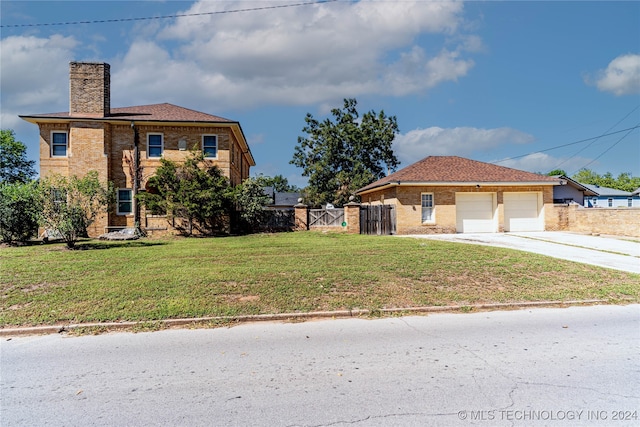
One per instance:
(458,170)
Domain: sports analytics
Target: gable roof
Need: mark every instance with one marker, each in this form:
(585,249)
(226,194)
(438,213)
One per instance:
(606,191)
(458,170)
(154,112)
(581,187)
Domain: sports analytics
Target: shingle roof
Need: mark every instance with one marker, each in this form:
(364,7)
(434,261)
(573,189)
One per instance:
(576,184)
(453,169)
(606,191)
(154,112)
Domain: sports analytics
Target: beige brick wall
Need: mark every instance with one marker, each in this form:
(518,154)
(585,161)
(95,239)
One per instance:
(89,89)
(613,221)
(409,212)
(108,149)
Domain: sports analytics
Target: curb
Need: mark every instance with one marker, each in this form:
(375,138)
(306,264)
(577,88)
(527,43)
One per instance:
(339,314)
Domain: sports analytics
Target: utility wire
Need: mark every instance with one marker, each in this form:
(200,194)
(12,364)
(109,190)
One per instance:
(220,12)
(607,150)
(571,143)
(592,142)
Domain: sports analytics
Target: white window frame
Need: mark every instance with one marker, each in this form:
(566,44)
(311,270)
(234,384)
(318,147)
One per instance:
(432,213)
(66,145)
(630,202)
(610,202)
(149,135)
(130,201)
(217,148)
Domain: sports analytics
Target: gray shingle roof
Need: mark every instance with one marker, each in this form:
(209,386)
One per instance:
(605,191)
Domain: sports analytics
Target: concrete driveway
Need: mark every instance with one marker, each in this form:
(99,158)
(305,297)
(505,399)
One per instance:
(610,252)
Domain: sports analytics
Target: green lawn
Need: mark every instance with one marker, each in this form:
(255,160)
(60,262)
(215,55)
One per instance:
(280,273)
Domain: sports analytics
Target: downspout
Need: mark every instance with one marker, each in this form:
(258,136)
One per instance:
(136,177)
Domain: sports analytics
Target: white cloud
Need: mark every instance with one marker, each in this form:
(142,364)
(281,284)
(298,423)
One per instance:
(621,77)
(299,55)
(34,73)
(461,141)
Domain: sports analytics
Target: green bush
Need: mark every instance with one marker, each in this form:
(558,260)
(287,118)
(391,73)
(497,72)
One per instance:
(19,211)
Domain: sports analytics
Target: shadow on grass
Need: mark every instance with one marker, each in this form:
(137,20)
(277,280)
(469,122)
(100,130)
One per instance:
(113,245)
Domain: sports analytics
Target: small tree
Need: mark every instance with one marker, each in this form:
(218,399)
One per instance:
(19,211)
(14,166)
(71,205)
(195,192)
(251,200)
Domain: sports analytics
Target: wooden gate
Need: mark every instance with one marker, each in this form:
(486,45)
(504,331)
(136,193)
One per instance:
(326,217)
(378,219)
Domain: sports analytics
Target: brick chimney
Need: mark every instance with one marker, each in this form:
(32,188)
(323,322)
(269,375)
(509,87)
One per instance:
(89,89)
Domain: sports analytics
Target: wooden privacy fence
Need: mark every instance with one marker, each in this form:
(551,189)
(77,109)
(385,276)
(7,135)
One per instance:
(326,217)
(378,219)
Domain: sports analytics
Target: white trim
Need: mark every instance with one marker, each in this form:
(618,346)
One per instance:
(129,201)
(66,151)
(217,145)
(161,145)
(433,209)
(478,185)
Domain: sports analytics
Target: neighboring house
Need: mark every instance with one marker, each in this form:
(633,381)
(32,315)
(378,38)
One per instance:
(448,194)
(610,198)
(281,200)
(117,141)
(570,191)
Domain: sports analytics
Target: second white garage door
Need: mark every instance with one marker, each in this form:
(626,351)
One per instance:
(523,212)
(475,213)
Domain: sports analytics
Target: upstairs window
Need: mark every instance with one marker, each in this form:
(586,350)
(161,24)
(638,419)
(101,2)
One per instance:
(154,145)
(427,207)
(125,205)
(210,146)
(59,144)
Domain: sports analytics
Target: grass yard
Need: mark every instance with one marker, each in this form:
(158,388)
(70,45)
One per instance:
(149,279)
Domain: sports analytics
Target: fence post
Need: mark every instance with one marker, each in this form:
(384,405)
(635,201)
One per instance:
(302,216)
(352,217)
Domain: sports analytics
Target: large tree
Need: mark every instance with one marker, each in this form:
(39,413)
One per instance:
(345,153)
(14,166)
(194,195)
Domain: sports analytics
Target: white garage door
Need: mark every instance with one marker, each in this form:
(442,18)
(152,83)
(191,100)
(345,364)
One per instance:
(475,213)
(523,212)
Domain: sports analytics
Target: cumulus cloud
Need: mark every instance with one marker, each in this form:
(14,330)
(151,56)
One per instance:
(621,77)
(34,73)
(32,69)
(300,55)
(461,141)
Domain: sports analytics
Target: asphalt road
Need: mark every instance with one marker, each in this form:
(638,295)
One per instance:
(617,253)
(564,367)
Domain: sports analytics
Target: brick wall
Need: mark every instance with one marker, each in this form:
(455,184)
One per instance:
(614,221)
(408,205)
(89,89)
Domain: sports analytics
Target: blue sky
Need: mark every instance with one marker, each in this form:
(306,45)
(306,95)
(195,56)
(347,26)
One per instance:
(505,82)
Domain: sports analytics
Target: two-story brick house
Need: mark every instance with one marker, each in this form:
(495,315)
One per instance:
(117,141)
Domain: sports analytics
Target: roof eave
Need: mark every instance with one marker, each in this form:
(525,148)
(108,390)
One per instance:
(235,126)
(477,184)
